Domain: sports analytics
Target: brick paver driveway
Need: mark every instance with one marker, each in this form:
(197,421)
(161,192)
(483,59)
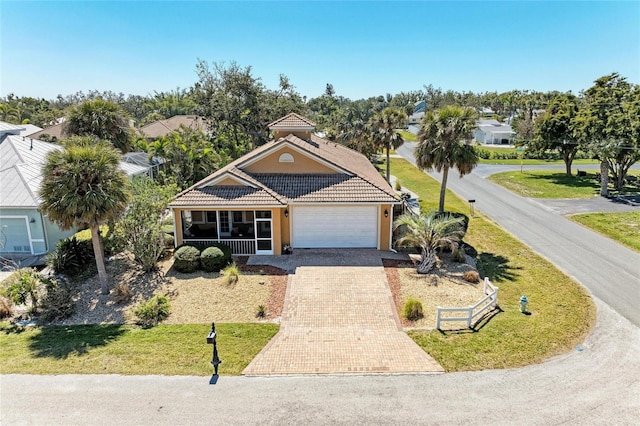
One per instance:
(338,317)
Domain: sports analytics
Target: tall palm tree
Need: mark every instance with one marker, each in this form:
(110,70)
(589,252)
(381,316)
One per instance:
(103,119)
(383,128)
(83,186)
(444,142)
(430,231)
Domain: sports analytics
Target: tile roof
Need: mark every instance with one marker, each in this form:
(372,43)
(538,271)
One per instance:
(291,121)
(323,188)
(163,127)
(226,195)
(56,131)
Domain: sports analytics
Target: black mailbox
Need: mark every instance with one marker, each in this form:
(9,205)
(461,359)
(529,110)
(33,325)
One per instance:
(211,340)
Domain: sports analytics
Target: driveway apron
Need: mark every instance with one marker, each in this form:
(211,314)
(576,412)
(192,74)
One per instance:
(340,320)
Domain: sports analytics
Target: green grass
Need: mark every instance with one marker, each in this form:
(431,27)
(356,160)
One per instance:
(124,349)
(534,162)
(623,227)
(562,311)
(406,135)
(553,184)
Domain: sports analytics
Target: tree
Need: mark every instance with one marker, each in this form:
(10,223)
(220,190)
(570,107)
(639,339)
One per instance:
(444,142)
(83,186)
(554,131)
(142,223)
(189,156)
(383,130)
(429,232)
(102,119)
(606,127)
(353,129)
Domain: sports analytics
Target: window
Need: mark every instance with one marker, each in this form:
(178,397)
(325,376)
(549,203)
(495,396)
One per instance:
(211,217)
(197,216)
(237,217)
(224,222)
(286,158)
(263,214)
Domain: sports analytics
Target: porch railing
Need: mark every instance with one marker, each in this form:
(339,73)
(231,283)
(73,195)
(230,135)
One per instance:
(240,246)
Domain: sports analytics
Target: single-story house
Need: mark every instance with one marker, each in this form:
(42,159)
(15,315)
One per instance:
(24,231)
(52,133)
(299,190)
(492,132)
(164,127)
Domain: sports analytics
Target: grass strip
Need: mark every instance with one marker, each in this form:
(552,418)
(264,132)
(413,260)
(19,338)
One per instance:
(130,350)
(623,227)
(562,312)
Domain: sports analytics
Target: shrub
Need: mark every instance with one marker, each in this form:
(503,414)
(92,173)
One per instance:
(398,186)
(232,272)
(262,311)
(186,259)
(458,255)
(58,303)
(413,309)
(153,311)
(6,307)
(122,292)
(471,276)
(72,256)
(25,289)
(212,259)
(169,240)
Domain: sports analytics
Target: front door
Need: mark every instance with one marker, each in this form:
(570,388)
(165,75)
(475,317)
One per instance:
(264,232)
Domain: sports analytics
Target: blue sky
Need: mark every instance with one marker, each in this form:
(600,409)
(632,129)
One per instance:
(363,48)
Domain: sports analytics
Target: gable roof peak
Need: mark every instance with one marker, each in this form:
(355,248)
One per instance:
(292,121)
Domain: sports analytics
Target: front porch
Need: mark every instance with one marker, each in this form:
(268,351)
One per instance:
(246,232)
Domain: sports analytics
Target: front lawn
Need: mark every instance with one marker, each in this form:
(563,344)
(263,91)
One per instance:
(562,313)
(126,349)
(623,227)
(553,184)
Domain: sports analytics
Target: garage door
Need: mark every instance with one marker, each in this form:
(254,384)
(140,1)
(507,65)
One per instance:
(14,236)
(336,226)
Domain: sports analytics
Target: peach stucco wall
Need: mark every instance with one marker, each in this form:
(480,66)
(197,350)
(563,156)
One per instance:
(385,226)
(301,164)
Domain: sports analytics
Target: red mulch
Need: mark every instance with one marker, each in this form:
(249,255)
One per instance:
(390,267)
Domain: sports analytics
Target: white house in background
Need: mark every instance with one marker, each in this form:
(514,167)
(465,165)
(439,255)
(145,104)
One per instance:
(419,109)
(492,132)
(25,233)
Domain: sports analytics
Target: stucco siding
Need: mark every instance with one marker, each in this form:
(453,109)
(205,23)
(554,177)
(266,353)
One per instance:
(301,164)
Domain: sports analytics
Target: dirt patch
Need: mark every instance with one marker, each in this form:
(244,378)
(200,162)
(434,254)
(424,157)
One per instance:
(444,286)
(196,298)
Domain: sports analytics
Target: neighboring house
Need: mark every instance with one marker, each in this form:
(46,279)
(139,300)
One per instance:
(28,129)
(164,127)
(53,133)
(419,109)
(492,132)
(142,159)
(24,231)
(298,190)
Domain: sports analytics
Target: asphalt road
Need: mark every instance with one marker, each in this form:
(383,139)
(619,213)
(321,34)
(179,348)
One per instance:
(609,270)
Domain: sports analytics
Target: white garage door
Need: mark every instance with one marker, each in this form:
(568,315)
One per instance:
(336,226)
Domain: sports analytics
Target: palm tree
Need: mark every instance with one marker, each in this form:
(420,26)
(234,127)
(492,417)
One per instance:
(444,142)
(103,119)
(83,186)
(430,231)
(383,128)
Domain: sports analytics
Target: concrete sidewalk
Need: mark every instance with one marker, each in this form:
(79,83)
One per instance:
(338,320)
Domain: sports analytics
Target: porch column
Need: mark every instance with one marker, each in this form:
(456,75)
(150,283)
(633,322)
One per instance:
(177,227)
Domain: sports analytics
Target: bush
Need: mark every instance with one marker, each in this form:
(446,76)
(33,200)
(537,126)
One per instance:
(212,259)
(398,186)
(122,292)
(6,307)
(25,289)
(186,259)
(72,256)
(153,311)
(262,311)
(413,309)
(58,303)
(169,240)
(458,255)
(232,272)
(471,276)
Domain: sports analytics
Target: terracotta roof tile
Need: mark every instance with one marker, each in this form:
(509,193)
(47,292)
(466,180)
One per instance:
(226,195)
(323,188)
(290,121)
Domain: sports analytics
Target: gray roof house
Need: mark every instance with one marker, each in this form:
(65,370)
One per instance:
(492,132)
(25,233)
